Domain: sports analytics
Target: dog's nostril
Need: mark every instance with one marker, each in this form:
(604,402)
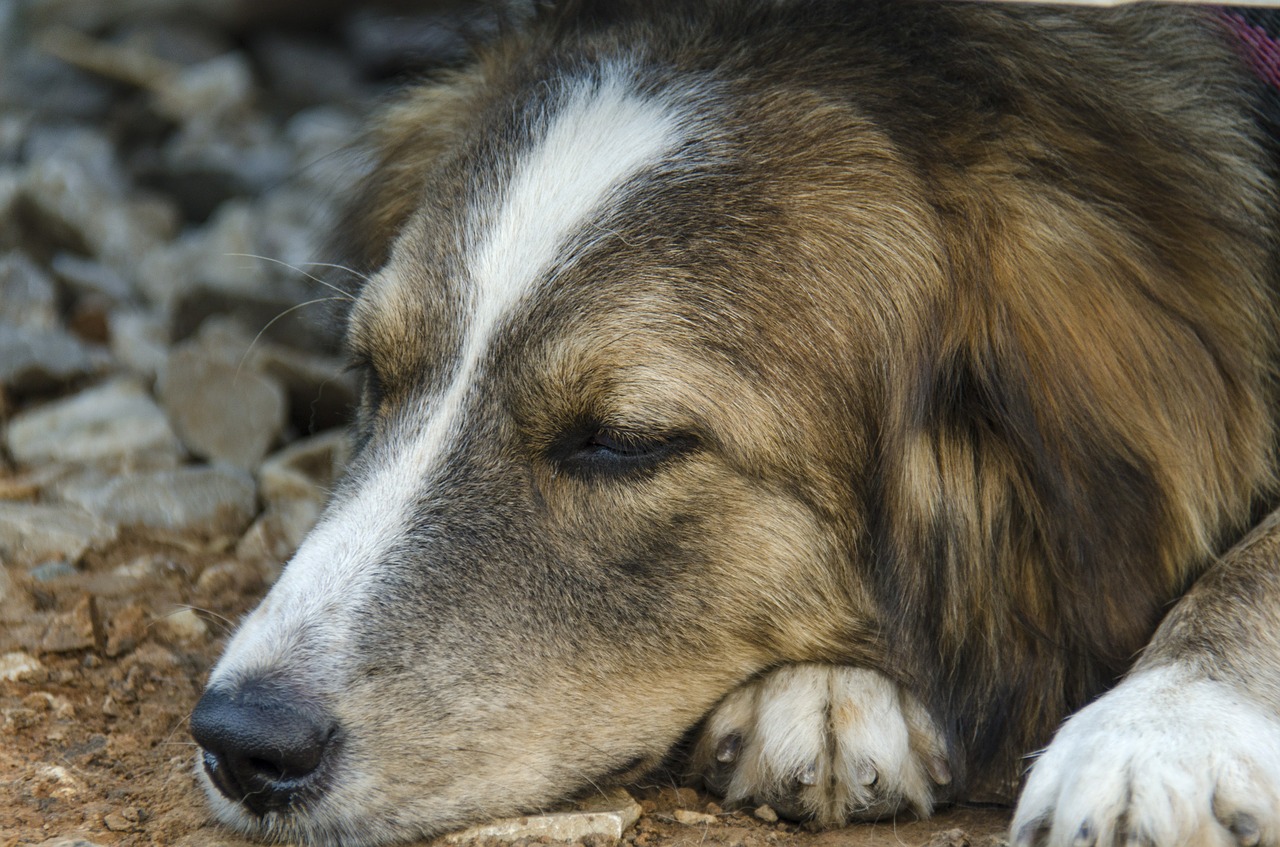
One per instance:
(261,750)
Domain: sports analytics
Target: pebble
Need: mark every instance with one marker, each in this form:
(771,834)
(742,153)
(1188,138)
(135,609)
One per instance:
(690,818)
(114,422)
(27,295)
(52,571)
(76,207)
(139,341)
(766,814)
(322,393)
(305,470)
(38,83)
(605,817)
(276,535)
(183,626)
(21,667)
(78,629)
(126,629)
(222,412)
(208,91)
(306,70)
(38,360)
(35,533)
(209,502)
(87,277)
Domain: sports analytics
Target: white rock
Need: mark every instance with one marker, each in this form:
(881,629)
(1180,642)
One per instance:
(89,277)
(78,199)
(305,470)
(139,341)
(221,411)
(31,533)
(27,294)
(208,90)
(202,501)
(16,666)
(183,625)
(114,422)
(609,817)
(33,359)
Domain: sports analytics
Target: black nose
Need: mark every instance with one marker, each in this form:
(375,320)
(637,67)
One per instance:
(260,749)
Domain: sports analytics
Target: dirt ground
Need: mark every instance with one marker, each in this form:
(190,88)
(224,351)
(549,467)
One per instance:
(94,743)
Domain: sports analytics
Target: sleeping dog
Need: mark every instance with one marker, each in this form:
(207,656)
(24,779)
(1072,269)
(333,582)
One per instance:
(841,393)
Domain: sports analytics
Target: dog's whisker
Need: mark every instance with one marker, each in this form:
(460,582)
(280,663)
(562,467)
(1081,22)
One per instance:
(345,295)
(249,350)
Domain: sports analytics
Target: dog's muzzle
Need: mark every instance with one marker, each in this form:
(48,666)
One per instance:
(261,748)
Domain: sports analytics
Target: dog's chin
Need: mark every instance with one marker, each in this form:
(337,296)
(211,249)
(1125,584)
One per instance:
(316,823)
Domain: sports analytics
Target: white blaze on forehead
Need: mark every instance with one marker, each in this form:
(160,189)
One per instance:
(600,134)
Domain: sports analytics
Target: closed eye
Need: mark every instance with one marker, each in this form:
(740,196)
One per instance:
(603,452)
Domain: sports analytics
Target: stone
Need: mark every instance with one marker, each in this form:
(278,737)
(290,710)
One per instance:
(79,629)
(39,360)
(305,470)
(225,161)
(14,130)
(277,318)
(116,422)
(208,90)
(689,818)
(71,211)
(85,276)
(36,82)
(180,42)
(324,140)
(90,151)
(303,70)
(21,667)
(27,295)
(139,341)
(222,412)
(53,571)
(126,629)
(766,814)
(220,255)
(605,817)
(275,536)
(183,627)
(323,394)
(384,41)
(32,533)
(209,502)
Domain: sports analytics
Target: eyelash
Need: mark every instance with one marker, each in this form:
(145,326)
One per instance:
(600,451)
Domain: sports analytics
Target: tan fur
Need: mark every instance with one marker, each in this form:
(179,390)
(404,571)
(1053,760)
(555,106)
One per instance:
(942,350)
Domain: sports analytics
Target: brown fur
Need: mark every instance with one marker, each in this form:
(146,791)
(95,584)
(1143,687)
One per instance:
(952,345)
(1063,397)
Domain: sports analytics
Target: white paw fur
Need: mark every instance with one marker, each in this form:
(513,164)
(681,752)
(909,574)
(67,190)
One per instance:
(824,743)
(1166,758)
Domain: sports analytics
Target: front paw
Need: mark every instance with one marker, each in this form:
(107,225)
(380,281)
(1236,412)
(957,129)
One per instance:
(1166,758)
(823,743)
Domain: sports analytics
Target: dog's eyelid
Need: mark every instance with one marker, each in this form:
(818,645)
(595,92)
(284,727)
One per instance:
(592,449)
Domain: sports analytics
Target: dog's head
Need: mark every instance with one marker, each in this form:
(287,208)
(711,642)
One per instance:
(670,378)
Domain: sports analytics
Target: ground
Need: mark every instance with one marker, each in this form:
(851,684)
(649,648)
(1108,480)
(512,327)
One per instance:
(94,743)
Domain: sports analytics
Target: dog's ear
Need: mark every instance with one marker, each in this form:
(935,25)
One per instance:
(408,137)
(1085,418)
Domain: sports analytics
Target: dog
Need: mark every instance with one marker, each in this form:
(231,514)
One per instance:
(836,394)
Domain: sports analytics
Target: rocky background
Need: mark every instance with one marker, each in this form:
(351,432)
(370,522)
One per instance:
(170,391)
